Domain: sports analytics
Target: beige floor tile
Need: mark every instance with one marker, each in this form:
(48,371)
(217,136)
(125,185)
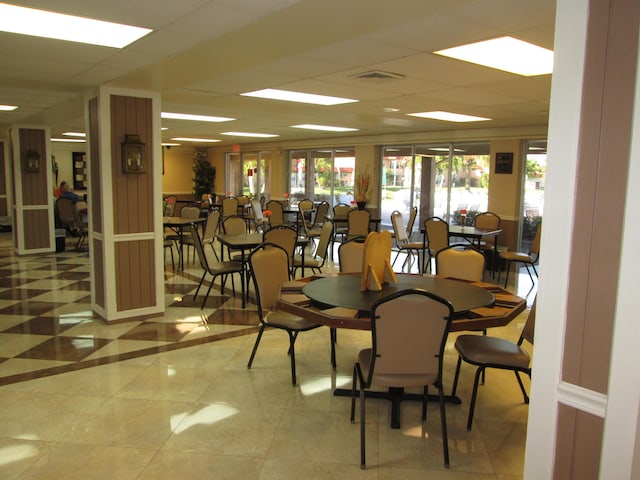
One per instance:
(65,460)
(168,465)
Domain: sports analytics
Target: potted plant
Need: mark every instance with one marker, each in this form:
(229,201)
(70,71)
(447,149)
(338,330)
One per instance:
(204,175)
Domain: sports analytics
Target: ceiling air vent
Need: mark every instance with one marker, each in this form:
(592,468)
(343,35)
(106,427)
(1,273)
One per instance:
(378,75)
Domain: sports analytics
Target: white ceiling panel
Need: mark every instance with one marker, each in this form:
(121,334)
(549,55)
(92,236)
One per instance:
(204,53)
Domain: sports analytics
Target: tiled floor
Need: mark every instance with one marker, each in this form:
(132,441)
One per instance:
(172,397)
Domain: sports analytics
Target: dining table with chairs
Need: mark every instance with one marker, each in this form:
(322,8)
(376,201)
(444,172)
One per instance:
(476,306)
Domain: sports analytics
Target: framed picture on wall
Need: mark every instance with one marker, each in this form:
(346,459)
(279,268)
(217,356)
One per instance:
(504,162)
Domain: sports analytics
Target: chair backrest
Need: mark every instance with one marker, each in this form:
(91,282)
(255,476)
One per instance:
(460,261)
(321,214)
(535,246)
(487,221)
(284,237)
(305,204)
(67,213)
(399,229)
(211,228)
(243,200)
(169,205)
(409,331)
(437,232)
(324,241)
(350,255)
(358,223)
(256,208)
(340,211)
(413,213)
(269,264)
(263,202)
(234,225)
(197,243)
(229,207)
(530,325)
(190,212)
(277,214)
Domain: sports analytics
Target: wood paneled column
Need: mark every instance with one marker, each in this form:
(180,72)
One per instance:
(125,208)
(32,207)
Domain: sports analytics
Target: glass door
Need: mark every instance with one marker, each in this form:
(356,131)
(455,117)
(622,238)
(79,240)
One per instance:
(439,179)
(247,173)
(533,191)
(322,175)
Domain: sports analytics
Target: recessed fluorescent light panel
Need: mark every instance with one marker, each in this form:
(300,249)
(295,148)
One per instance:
(75,134)
(288,96)
(326,128)
(249,134)
(505,53)
(197,118)
(40,23)
(448,116)
(167,144)
(188,139)
(69,140)
(8,108)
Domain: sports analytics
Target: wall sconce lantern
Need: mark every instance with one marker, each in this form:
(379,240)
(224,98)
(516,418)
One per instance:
(133,159)
(32,161)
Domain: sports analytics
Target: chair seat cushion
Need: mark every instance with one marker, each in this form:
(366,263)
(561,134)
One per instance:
(412,245)
(308,262)
(228,266)
(491,351)
(516,256)
(288,321)
(393,380)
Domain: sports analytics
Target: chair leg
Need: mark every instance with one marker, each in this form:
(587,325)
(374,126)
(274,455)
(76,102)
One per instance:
(455,377)
(363,463)
(354,384)
(425,396)
(443,420)
(255,346)
(292,352)
(524,392)
(332,334)
(472,405)
(199,285)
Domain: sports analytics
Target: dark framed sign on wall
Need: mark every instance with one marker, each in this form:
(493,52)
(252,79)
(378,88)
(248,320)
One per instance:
(504,162)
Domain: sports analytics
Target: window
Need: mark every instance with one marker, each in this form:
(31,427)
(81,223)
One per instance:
(325,174)
(247,173)
(439,179)
(535,166)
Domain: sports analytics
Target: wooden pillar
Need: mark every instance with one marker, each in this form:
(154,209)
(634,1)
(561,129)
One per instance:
(125,207)
(32,208)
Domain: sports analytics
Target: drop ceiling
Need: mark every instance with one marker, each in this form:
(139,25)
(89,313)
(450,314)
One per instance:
(202,54)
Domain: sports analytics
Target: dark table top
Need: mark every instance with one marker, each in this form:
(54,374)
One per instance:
(344,291)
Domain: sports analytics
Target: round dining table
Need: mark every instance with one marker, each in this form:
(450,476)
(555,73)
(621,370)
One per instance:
(344,291)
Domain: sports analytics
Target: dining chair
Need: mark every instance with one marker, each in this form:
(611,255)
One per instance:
(493,352)
(462,261)
(277,213)
(258,216)
(283,236)
(436,232)
(340,212)
(358,223)
(316,261)
(409,331)
(528,259)
(234,225)
(269,264)
(215,269)
(70,218)
(190,213)
(350,255)
(488,221)
(413,213)
(229,207)
(403,243)
(211,230)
